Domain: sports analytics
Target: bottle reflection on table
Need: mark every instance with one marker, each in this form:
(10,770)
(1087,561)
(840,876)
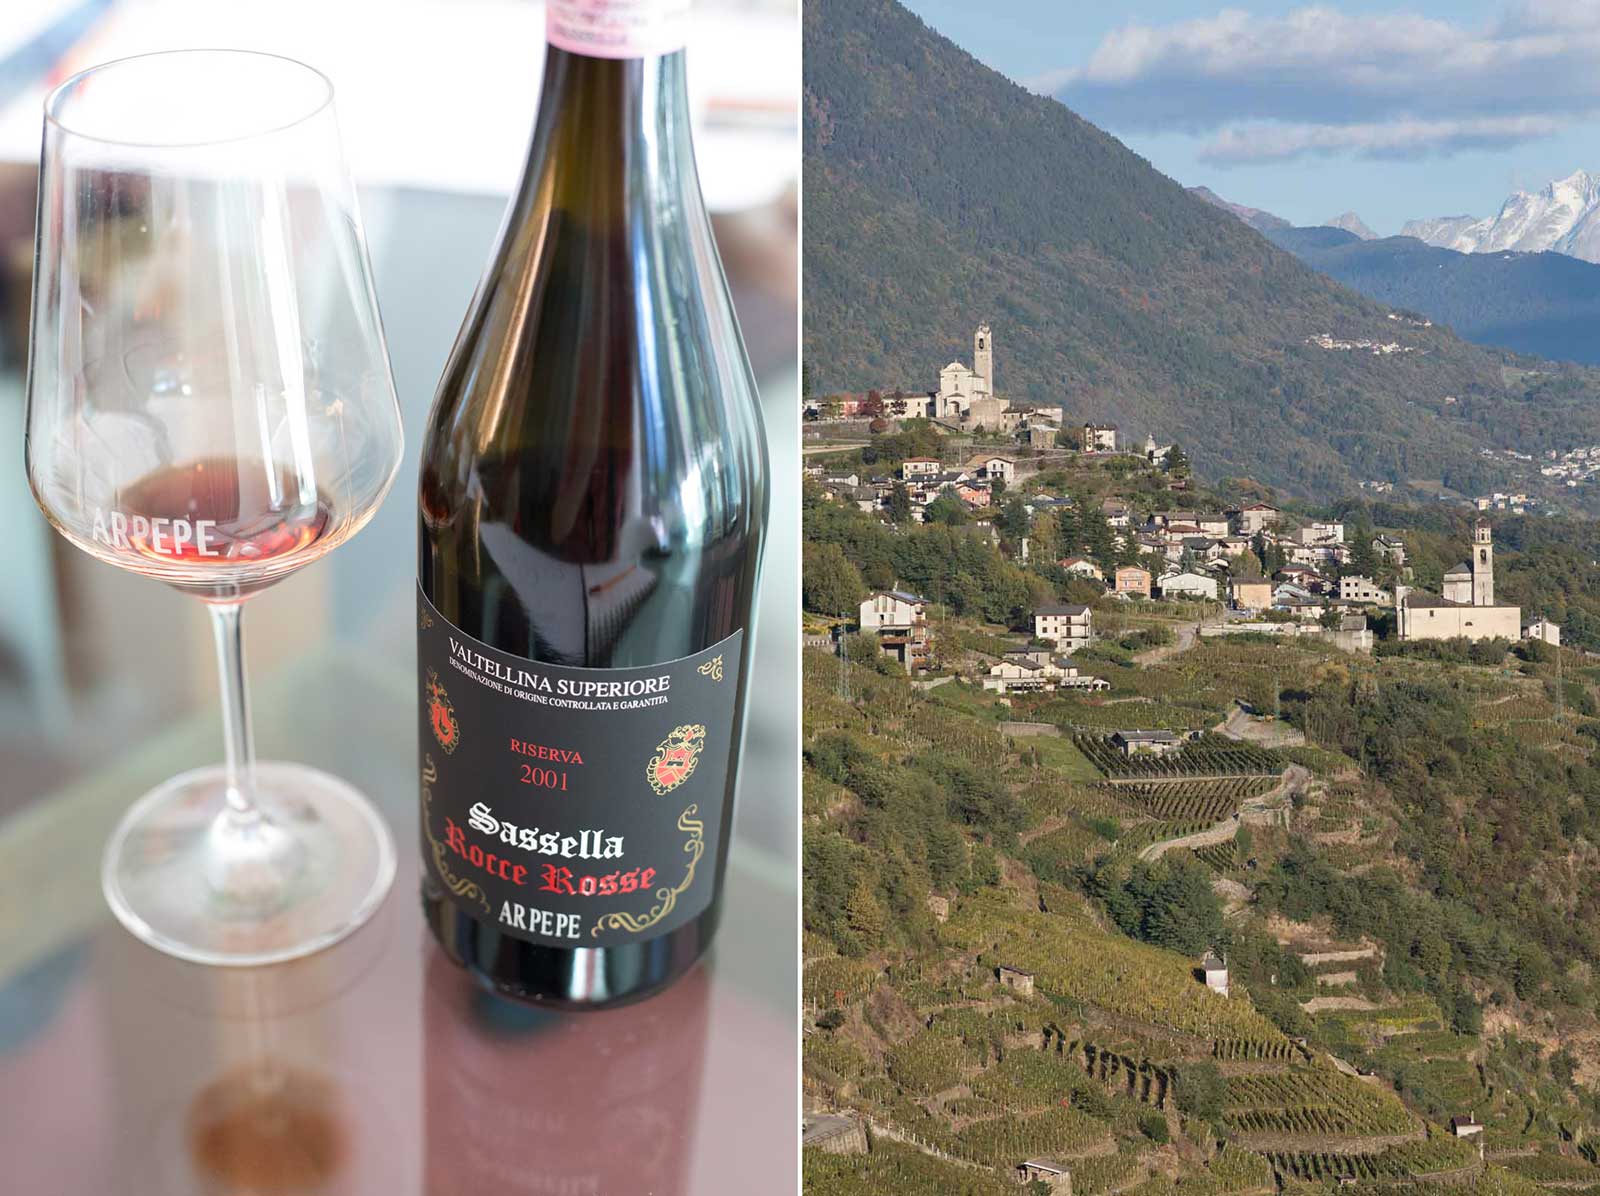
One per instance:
(288,1080)
(518,1100)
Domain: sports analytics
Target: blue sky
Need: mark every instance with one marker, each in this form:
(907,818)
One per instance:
(1307,110)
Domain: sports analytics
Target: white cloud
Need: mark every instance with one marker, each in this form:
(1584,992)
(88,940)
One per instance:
(1319,80)
(1264,142)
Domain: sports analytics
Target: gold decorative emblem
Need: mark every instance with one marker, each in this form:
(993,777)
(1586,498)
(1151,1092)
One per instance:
(712,668)
(675,758)
(424,619)
(461,886)
(666,899)
(441,713)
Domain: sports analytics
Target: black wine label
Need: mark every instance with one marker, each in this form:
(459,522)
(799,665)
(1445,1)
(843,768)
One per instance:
(572,807)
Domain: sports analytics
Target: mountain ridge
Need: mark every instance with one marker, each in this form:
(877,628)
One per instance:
(1257,219)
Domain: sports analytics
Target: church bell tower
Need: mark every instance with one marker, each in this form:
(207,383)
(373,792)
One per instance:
(983,360)
(1482,565)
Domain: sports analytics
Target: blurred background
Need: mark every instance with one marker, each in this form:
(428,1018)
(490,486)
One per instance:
(435,100)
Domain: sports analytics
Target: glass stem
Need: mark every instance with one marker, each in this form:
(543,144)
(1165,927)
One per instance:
(237,738)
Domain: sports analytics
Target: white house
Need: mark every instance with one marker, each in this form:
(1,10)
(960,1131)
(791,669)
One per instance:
(1390,548)
(1012,675)
(898,621)
(1316,556)
(1038,670)
(1216,972)
(920,467)
(1146,743)
(1256,517)
(1003,468)
(1320,533)
(1082,566)
(1116,511)
(1543,629)
(1070,625)
(891,610)
(1099,438)
(1362,590)
(1187,585)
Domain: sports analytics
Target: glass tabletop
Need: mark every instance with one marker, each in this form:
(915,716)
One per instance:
(376,1066)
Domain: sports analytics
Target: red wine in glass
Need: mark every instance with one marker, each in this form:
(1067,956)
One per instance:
(221,521)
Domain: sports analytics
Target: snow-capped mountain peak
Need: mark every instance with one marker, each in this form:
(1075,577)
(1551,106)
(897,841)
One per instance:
(1563,216)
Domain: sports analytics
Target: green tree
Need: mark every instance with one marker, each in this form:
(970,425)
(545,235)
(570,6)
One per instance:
(864,914)
(861,649)
(1201,1091)
(830,584)
(1177,461)
(947,508)
(1046,537)
(899,503)
(1014,522)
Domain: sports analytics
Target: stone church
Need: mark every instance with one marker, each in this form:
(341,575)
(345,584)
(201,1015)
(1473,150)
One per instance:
(966,396)
(1467,608)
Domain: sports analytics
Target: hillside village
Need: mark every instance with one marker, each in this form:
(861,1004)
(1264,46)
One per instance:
(1250,568)
(1129,805)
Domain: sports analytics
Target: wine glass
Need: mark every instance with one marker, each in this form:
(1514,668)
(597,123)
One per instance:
(210,404)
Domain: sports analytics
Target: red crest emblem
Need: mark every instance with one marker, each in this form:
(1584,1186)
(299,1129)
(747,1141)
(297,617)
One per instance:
(675,758)
(441,714)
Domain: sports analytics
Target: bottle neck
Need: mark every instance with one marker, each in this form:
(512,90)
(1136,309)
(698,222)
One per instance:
(611,132)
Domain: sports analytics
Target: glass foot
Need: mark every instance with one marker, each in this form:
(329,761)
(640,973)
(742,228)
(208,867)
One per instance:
(191,878)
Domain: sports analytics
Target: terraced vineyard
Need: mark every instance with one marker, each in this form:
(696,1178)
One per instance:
(1207,756)
(928,1063)
(1005,1140)
(833,979)
(1431,1156)
(1140,1079)
(1313,1103)
(1256,1049)
(1074,961)
(1549,1168)
(1106,1173)
(1138,837)
(1237,1170)
(1219,857)
(1204,800)
(894,1167)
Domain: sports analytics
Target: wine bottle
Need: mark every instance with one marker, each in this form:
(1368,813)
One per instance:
(592,502)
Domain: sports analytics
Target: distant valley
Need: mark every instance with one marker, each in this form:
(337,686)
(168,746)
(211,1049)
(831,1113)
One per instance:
(1545,302)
